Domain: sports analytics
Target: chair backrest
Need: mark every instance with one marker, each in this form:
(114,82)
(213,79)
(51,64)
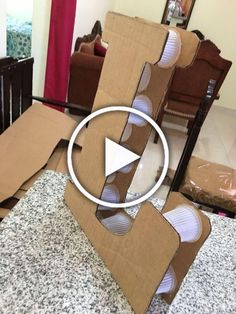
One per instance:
(190,84)
(15,89)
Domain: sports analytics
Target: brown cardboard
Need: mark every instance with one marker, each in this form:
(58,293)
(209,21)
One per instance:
(139,259)
(27,145)
(187,251)
(4,212)
(57,162)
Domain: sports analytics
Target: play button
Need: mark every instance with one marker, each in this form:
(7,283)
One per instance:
(117,157)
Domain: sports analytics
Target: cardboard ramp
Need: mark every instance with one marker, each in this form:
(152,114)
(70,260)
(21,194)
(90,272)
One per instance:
(27,145)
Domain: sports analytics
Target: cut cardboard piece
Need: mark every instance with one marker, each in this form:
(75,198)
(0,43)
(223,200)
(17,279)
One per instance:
(27,145)
(187,252)
(134,259)
(4,212)
(57,162)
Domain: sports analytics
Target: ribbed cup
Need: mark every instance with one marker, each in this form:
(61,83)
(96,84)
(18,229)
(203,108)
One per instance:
(119,223)
(110,194)
(171,51)
(186,222)
(143,104)
(168,283)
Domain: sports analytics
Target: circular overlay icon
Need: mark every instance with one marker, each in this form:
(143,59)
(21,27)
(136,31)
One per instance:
(143,197)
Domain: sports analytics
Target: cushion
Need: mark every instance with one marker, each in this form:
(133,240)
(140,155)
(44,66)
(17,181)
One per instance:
(99,50)
(87,48)
(210,183)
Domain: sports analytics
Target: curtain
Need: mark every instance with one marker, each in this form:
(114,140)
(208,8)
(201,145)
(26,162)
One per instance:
(59,49)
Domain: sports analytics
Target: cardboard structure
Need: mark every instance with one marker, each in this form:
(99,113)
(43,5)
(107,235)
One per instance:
(139,259)
(134,67)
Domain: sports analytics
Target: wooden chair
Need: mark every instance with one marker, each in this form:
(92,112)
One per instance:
(179,177)
(188,85)
(16,97)
(16,78)
(15,89)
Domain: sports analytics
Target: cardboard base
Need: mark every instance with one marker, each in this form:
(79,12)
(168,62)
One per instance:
(137,260)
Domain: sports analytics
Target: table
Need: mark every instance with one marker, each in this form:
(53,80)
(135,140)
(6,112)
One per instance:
(47,264)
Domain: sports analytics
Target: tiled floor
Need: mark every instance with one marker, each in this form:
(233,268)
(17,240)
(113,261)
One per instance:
(216,143)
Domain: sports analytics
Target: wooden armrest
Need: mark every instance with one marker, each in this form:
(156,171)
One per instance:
(81,110)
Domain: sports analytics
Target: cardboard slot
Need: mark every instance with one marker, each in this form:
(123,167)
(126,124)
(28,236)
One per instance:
(127,132)
(145,79)
(168,283)
(123,180)
(186,221)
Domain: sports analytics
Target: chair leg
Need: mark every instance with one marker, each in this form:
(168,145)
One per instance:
(159,122)
(189,126)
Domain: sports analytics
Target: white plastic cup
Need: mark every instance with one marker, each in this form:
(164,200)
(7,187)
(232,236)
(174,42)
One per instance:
(168,283)
(171,51)
(126,169)
(119,224)
(186,221)
(143,104)
(111,178)
(110,194)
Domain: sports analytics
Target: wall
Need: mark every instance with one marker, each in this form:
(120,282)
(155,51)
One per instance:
(40,30)
(2,28)
(87,13)
(20,9)
(216,20)
(148,9)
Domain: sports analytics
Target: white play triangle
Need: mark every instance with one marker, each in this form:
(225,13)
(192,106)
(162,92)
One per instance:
(117,157)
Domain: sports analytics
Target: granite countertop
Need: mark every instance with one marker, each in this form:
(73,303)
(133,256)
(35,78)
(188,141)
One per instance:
(47,264)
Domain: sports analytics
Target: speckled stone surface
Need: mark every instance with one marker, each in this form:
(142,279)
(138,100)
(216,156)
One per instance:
(210,285)
(47,265)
